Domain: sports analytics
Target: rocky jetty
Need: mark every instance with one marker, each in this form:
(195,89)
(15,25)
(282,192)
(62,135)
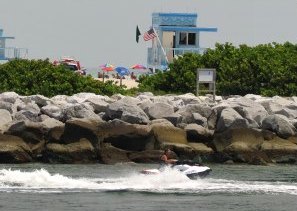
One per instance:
(89,128)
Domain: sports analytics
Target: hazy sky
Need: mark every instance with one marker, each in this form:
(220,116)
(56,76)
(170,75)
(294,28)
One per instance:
(103,31)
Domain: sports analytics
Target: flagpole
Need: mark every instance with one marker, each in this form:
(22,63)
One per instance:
(161,45)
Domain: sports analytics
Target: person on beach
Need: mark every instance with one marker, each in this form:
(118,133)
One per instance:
(165,158)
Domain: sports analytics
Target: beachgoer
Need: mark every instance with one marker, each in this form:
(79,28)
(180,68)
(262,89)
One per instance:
(165,158)
(133,76)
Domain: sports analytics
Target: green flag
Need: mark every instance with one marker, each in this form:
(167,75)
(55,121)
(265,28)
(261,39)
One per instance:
(137,34)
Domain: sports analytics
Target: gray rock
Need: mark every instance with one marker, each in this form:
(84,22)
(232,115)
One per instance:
(188,98)
(9,97)
(52,111)
(40,100)
(145,104)
(280,125)
(188,111)
(197,133)
(30,106)
(24,115)
(159,110)
(174,118)
(78,111)
(98,104)
(199,119)
(230,119)
(5,119)
(126,112)
(8,106)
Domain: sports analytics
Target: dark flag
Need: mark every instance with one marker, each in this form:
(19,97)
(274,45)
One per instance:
(150,34)
(137,34)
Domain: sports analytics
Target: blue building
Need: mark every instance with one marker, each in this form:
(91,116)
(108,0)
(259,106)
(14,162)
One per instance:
(7,53)
(177,34)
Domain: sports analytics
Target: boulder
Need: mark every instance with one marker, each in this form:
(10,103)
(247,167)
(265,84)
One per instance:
(24,115)
(280,150)
(8,106)
(28,106)
(76,129)
(5,119)
(148,156)
(128,113)
(39,100)
(251,139)
(174,118)
(33,133)
(188,98)
(78,111)
(159,110)
(52,111)
(126,136)
(190,113)
(14,150)
(230,119)
(9,97)
(280,125)
(165,132)
(201,148)
(109,154)
(98,104)
(78,152)
(197,133)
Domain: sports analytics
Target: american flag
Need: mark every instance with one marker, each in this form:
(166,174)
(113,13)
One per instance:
(150,34)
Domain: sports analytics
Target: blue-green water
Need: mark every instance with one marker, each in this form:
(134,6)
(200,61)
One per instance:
(121,187)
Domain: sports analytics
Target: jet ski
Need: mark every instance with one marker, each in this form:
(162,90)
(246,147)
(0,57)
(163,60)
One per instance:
(191,170)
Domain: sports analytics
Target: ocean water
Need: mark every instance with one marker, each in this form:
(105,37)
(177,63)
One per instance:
(120,187)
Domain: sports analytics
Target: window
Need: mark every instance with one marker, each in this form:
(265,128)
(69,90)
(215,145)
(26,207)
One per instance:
(183,38)
(191,39)
(187,38)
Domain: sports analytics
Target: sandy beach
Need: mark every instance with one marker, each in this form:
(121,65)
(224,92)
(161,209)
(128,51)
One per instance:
(129,83)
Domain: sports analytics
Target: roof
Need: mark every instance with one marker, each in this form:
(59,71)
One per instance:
(187,29)
(194,15)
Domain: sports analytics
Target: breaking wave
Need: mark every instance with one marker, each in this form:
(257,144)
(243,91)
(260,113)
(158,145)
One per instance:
(169,181)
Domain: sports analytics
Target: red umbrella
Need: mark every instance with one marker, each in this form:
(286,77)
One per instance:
(106,68)
(138,67)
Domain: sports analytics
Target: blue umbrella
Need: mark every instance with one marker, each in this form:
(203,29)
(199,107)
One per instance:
(122,71)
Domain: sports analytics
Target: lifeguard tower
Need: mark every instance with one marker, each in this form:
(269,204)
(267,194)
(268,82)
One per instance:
(177,34)
(8,53)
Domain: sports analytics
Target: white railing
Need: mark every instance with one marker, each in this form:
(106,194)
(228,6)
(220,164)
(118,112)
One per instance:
(13,53)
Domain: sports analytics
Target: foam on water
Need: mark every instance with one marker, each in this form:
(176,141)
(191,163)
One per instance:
(169,181)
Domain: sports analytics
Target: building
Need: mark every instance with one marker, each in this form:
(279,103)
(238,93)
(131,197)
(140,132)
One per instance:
(8,53)
(177,34)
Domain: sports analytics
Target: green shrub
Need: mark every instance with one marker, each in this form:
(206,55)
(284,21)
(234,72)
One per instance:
(269,69)
(29,77)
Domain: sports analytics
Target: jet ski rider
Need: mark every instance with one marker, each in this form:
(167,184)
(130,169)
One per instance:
(165,158)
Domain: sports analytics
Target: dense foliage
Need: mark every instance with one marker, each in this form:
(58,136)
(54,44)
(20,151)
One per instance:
(268,69)
(29,77)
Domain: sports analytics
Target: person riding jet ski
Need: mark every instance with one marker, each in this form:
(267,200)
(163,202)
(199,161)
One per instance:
(189,168)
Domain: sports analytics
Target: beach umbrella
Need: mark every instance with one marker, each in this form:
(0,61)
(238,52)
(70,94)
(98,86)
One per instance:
(122,71)
(138,67)
(106,68)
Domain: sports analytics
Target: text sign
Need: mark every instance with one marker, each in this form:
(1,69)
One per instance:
(206,75)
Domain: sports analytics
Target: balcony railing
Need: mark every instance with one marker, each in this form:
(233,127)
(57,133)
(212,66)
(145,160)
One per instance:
(13,53)
(157,58)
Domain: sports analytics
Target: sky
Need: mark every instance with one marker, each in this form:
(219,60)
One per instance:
(103,31)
